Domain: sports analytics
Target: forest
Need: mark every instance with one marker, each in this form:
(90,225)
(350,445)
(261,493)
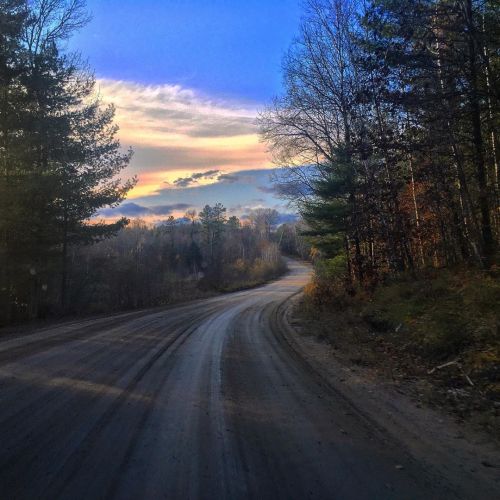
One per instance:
(61,161)
(387,132)
(389,129)
(147,265)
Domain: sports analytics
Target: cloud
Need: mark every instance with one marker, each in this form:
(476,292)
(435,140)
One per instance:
(239,192)
(135,210)
(179,111)
(228,178)
(190,150)
(184,182)
(207,175)
(127,210)
(248,180)
(168,209)
(267,189)
(176,131)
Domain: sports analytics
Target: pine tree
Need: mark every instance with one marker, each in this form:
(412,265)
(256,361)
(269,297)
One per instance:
(67,158)
(12,20)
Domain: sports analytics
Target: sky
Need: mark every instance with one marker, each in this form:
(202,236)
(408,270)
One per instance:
(188,79)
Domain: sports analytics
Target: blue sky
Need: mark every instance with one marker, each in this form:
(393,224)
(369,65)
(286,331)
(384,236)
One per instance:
(188,79)
(227,48)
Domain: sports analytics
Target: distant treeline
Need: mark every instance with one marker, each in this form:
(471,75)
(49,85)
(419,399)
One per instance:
(389,124)
(147,265)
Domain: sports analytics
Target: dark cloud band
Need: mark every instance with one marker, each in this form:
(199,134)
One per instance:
(135,210)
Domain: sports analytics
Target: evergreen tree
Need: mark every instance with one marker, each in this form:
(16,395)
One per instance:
(66,164)
(212,221)
(13,17)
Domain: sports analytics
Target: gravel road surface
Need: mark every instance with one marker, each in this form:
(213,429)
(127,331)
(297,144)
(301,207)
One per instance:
(198,401)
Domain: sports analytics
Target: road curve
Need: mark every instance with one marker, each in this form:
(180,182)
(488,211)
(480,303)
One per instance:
(203,400)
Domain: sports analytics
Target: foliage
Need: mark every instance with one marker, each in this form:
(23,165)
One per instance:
(59,156)
(60,162)
(388,127)
(147,265)
(388,130)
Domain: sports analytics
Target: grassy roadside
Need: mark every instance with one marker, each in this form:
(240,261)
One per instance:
(437,337)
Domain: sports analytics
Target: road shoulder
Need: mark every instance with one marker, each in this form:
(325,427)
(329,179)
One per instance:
(457,452)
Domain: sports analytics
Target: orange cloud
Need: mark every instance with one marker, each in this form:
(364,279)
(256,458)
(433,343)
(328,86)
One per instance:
(177,132)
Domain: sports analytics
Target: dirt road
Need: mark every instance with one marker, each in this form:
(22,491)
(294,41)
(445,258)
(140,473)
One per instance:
(204,400)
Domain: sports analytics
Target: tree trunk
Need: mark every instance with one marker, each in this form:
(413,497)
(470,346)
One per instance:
(478,145)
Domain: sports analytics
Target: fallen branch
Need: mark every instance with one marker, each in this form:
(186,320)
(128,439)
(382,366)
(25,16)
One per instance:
(440,367)
(452,363)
